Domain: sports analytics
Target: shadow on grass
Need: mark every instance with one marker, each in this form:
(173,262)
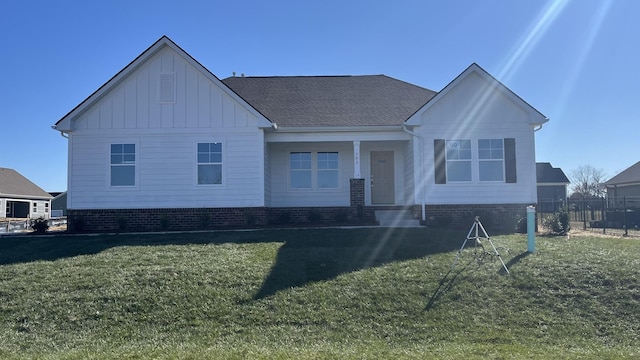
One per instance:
(307,255)
(335,252)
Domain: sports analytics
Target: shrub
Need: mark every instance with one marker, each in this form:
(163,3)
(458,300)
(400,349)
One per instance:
(558,223)
(39,225)
(521,225)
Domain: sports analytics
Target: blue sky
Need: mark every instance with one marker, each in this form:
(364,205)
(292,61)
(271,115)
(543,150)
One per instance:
(575,61)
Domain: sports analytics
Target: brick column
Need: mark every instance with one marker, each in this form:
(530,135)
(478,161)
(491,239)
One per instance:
(357,192)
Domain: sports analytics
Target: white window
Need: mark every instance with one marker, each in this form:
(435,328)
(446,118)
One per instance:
(458,155)
(328,170)
(123,164)
(210,163)
(491,159)
(300,170)
(46,208)
(35,207)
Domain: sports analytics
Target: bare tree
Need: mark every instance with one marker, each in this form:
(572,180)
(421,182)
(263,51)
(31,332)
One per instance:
(587,181)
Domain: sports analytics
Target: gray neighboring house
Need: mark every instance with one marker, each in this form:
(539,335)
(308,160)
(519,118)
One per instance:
(21,198)
(625,186)
(59,204)
(552,187)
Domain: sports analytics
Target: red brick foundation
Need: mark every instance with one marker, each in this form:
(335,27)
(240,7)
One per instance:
(493,217)
(502,217)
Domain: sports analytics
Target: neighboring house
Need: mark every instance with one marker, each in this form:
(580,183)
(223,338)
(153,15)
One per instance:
(624,188)
(59,204)
(165,143)
(552,187)
(20,198)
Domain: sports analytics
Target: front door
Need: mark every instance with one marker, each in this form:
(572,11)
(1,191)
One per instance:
(382,178)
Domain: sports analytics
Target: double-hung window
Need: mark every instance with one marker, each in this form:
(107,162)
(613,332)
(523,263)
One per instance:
(210,163)
(123,164)
(491,159)
(327,170)
(300,170)
(458,155)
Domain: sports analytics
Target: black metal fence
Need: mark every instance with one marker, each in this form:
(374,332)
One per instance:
(617,216)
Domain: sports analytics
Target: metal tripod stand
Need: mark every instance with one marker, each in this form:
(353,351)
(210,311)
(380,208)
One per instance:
(475,229)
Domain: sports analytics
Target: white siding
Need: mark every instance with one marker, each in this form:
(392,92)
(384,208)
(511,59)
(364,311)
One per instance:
(133,103)
(166,135)
(281,193)
(473,111)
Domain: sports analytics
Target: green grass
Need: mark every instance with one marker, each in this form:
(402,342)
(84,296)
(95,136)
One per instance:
(317,294)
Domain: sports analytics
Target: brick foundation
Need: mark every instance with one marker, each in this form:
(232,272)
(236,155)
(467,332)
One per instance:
(502,217)
(189,219)
(493,217)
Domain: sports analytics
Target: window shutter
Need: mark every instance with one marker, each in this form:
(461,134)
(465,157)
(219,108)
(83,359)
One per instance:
(510,160)
(439,161)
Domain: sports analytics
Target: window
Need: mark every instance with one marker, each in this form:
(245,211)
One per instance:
(46,208)
(327,170)
(491,159)
(300,170)
(210,163)
(458,155)
(35,207)
(123,164)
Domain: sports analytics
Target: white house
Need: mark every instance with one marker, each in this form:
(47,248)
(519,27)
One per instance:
(166,144)
(21,198)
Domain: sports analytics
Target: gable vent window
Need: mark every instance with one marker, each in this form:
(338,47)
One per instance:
(167,88)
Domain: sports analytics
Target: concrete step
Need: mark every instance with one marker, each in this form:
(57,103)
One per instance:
(396,218)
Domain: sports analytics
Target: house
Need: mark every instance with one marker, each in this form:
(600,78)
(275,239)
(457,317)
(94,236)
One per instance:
(623,190)
(21,198)
(166,144)
(59,204)
(552,187)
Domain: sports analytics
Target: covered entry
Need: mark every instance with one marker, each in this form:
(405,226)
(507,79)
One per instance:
(17,209)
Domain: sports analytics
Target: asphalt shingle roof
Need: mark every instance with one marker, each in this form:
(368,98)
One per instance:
(628,176)
(14,184)
(291,101)
(545,173)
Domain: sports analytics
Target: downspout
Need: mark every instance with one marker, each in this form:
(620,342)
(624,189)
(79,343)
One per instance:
(421,162)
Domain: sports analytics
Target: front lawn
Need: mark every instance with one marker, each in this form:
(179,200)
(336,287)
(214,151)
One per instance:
(317,293)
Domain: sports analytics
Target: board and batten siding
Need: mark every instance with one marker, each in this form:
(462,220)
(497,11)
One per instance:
(472,110)
(166,134)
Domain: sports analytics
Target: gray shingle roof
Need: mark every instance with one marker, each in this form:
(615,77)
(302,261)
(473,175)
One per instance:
(628,176)
(13,184)
(545,173)
(331,100)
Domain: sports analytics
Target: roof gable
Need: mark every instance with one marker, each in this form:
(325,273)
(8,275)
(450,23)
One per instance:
(628,176)
(492,85)
(64,124)
(13,184)
(308,101)
(547,174)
